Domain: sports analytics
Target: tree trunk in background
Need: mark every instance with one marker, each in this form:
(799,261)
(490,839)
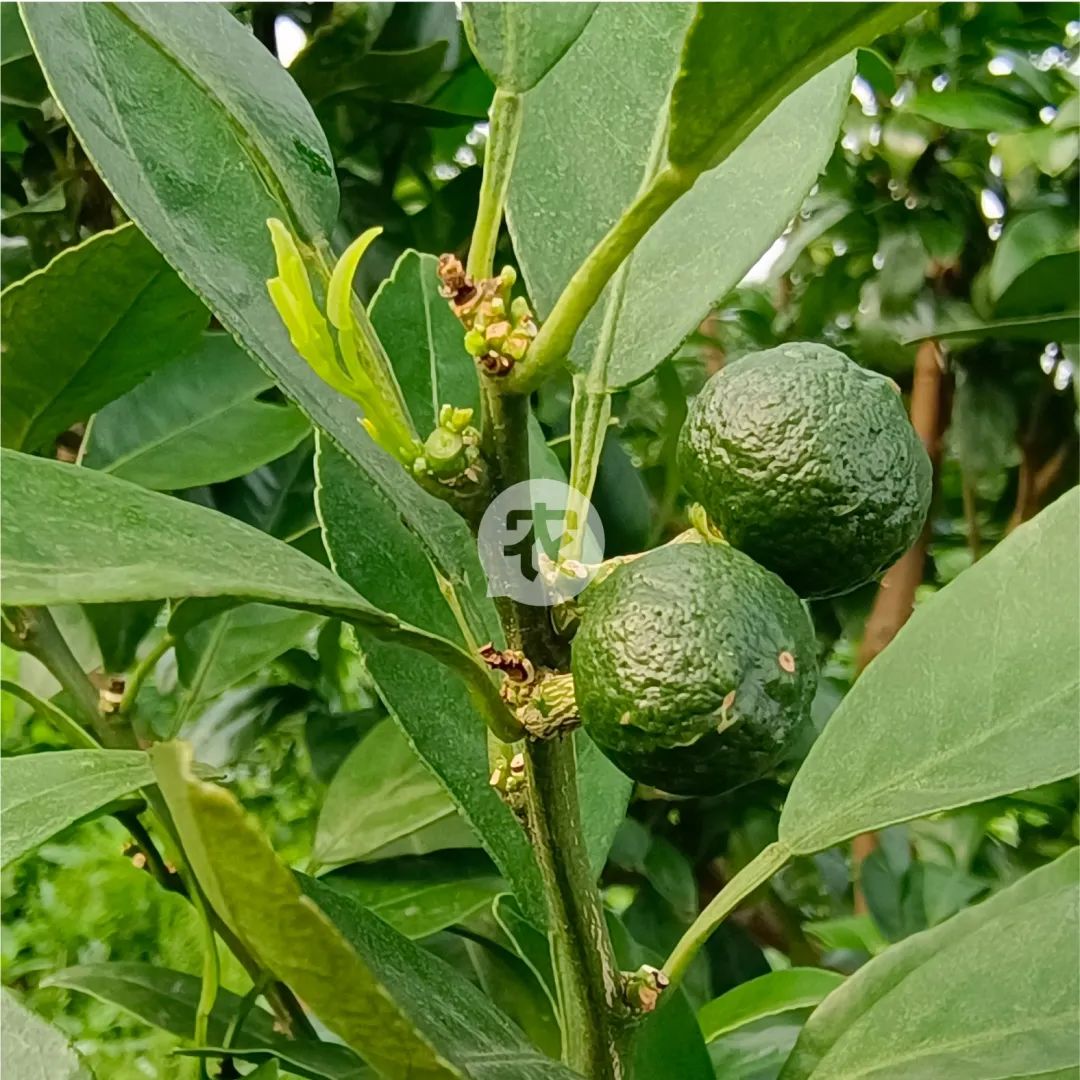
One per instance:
(930,402)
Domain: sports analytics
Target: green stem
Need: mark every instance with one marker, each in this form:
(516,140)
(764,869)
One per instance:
(552,345)
(754,874)
(587,979)
(505,117)
(143,668)
(34,631)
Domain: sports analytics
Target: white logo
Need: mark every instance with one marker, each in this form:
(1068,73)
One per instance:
(539,543)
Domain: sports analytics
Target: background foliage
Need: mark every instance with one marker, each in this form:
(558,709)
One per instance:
(948,210)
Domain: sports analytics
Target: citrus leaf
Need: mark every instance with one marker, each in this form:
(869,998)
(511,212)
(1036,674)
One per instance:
(86,329)
(195,421)
(768,995)
(33,1049)
(518,44)
(887,1022)
(1036,264)
(168,1000)
(1055,327)
(129,77)
(976,696)
(718,99)
(623,66)
(418,895)
(381,792)
(369,547)
(260,901)
(40,794)
(450,1010)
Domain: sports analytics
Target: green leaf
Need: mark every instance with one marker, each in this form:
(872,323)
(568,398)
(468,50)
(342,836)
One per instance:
(1036,264)
(518,44)
(976,696)
(455,1016)
(419,895)
(260,901)
(33,1049)
(119,628)
(216,654)
(1010,962)
(623,67)
(370,547)
(1040,328)
(196,421)
(719,98)
(87,328)
(423,339)
(40,794)
(134,544)
(129,77)
(381,792)
(603,792)
(168,1000)
(973,108)
(768,995)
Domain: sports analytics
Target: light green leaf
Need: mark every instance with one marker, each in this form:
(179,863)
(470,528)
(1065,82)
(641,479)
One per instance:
(977,696)
(194,422)
(33,1049)
(168,1000)
(381,792)
(260,901)
(465,1025)
(973,108)
(419,895)
(129,77)
(1008,965)
(518,44)
(40,794)
(369,546)
(719,98)
(623,66)
(768,995)
(86,329)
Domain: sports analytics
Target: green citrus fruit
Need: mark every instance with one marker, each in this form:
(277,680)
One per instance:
(809,464)
(693,668)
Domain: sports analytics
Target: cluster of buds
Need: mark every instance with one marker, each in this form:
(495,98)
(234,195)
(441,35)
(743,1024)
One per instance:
(642,988)
(508,779)
(451,453)
(498,328)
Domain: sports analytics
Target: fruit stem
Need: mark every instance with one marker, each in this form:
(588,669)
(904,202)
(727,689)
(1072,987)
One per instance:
(755,873)
(552,345)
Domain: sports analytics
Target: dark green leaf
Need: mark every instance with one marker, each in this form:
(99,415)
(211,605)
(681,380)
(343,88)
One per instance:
(41,794)
(768,995)
(718,98)
(87,328)
(604,792)
(518,44)
(260,901)
(196,421)
(1036,264)
(1009,961)
(370,546)
(453,1014)
(381,793)
(33,1049)
(976,696)
(1031,328)
(119,629)
(419,895)
(623,67)
(168,1000)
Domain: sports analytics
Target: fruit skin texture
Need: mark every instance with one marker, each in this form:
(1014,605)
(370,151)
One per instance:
(809,464)
(681,641)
